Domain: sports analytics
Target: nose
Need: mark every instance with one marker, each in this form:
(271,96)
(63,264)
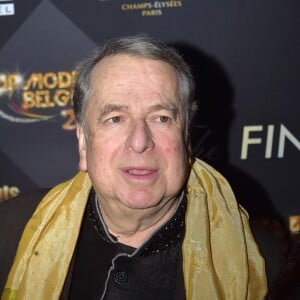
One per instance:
(139,138)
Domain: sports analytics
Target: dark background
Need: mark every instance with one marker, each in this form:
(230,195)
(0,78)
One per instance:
(245,58)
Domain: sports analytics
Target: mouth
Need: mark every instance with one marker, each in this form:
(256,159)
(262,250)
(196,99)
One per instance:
(141,173)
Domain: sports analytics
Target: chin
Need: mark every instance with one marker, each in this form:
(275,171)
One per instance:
(142,201)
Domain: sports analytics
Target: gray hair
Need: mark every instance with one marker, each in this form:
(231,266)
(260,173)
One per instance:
(144,46)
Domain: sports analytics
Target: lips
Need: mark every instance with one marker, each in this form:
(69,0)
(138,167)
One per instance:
(140,172)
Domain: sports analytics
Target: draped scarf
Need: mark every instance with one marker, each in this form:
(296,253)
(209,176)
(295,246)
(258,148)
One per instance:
(220,257)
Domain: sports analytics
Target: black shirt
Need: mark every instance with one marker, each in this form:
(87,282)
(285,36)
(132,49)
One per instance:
(106,269)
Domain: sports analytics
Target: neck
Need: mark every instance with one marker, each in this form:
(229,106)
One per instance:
(133,227)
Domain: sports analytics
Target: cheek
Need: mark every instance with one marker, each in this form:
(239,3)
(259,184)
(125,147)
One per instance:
(175,154)
(98,164)
(173,146)
(100,152)
(177,165)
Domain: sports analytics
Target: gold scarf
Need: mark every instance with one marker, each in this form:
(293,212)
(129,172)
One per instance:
(220,257)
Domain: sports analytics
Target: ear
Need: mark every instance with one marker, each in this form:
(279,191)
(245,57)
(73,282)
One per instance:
(81,147)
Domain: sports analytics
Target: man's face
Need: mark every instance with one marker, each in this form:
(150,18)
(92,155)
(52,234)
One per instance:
(135,152)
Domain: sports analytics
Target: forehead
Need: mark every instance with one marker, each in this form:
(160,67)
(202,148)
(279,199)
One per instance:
(118,71)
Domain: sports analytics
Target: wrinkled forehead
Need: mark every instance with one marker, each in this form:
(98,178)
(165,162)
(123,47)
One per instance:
(116,77)
(121,68)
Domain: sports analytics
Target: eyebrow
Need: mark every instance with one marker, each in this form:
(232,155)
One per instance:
(171,107)
(108,108)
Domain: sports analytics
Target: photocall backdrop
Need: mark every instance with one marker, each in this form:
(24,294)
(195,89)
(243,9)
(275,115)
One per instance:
(245,58)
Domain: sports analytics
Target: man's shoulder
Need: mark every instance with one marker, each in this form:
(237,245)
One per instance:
(14,215)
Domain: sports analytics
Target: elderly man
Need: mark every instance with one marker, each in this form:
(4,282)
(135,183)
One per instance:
(142,219)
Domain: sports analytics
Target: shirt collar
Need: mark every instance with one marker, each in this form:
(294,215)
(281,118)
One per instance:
(167,235)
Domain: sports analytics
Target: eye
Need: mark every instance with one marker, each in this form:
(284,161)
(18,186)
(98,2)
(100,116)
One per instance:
(163,119)
(114,119)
